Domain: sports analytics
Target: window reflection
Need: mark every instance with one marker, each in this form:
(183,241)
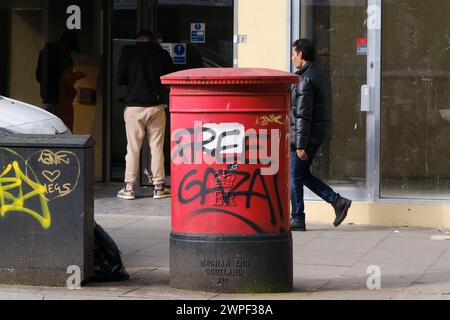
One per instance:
(335,26)
(415,150)
(44,64)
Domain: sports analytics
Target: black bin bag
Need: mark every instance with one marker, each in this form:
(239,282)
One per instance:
(108,264)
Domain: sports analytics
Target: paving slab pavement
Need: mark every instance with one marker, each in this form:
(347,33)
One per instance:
(329,263)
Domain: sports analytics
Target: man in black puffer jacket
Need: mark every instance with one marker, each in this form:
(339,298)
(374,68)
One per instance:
(310,127)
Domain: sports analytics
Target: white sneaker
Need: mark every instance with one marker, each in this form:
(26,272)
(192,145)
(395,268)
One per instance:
(126,194)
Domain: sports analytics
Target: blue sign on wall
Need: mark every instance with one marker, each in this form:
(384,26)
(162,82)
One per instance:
(198,32)
(179,53)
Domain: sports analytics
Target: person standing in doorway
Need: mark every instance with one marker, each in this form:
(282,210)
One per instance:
(56,76)
(140,69)
(310,127)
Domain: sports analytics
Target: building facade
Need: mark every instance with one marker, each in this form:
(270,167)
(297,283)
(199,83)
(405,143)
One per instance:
(389,63)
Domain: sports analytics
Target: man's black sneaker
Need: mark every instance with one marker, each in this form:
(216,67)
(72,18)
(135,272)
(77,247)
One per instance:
(341,207)
(298,225)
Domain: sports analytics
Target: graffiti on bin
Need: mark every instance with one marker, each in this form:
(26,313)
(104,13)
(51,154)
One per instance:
(60,171)
(21,193)
(27,186)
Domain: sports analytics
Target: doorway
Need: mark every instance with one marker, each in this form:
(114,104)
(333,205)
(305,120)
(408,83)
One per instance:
(173,22)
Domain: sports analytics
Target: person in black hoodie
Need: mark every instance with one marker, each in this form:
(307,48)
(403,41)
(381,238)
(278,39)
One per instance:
(140,69)
(310,127)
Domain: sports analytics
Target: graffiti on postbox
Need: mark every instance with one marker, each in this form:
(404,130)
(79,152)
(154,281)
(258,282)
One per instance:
(227,143)
(242,186)
(233,171)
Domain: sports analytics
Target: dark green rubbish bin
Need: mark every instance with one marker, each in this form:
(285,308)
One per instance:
(46,209)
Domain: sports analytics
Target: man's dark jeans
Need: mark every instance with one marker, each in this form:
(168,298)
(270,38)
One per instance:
(301,176)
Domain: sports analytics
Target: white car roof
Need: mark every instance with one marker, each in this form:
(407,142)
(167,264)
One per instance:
(22,117)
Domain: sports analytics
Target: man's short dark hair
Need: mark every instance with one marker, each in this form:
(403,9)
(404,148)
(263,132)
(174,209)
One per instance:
(306,47)
(145,34)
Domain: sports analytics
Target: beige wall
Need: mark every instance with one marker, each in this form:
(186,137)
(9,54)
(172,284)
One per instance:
(265,23)
(88,119)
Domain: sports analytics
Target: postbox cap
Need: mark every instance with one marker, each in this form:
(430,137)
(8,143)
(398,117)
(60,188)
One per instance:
(230,76)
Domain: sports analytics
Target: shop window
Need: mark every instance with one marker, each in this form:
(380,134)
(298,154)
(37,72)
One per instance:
(415,109)
(51,57)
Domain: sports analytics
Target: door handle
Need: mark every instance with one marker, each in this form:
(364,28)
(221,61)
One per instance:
(366,98)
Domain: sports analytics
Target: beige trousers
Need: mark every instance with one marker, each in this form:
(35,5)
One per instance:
(138,121)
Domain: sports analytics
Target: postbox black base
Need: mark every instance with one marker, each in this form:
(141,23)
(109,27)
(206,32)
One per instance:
(232,264)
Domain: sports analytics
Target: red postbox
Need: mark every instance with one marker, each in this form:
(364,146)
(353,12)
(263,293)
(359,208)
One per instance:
(230,180)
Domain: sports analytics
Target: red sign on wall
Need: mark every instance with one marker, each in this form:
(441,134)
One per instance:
(361,46)
(361,41)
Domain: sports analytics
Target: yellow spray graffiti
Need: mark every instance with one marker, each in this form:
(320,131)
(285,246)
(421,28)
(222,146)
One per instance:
(13,198)
(268,119)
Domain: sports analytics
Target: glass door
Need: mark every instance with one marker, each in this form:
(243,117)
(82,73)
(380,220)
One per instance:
(340,31)
(125,20)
